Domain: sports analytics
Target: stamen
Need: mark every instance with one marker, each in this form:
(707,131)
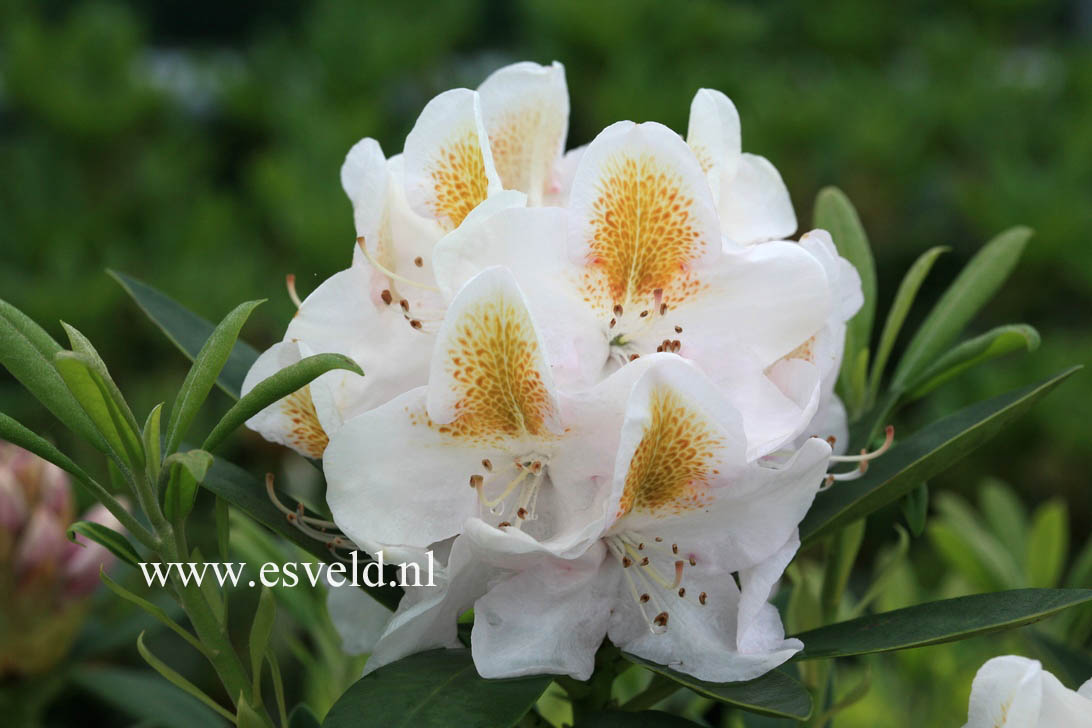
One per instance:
(390,273)
(865,456)
(290,284)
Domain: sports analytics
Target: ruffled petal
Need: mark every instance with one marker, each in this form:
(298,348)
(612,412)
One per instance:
(1006,691)
(754,204)
(714,135)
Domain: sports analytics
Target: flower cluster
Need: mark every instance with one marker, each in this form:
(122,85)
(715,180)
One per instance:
(598,384)
(45,579)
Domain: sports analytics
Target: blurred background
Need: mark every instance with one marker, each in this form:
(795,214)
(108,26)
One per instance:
(196,146)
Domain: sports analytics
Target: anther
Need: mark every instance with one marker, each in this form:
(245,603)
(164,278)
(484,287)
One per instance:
(644,561)
(682,591)
(487,464)
(503,524)
(612,323)
(660,620)
(626,562)
(618,309)
(644,313)
(663,308)
(476,481)
(634,357)
(831,440)
(418,261)
(644,598)
(387,297)
(659,539)
(414,323)
(674,548)
(693,561)
(702,597)
(522,514)
(404,304)
(678,329)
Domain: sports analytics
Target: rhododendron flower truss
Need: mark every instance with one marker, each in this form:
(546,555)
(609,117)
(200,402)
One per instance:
(490,436)
(690,516)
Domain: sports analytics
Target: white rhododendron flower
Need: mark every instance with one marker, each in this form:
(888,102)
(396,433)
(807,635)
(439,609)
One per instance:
(1015,692)
(591,381)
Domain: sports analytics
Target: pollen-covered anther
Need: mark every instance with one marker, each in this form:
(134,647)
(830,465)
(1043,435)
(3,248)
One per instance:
(487,464)
(634,357)
(476,481)
(613,322)
(832,440)
(626,562)
(702,598)
(674,548)
(678,329)
(404,304)
(503,524)
(618,310)
(643,313)
(386,296)
(521,514)
(414,323)
(644,561)
(660,620)
(682,591)
(418,261)
(644,598)
(693,561)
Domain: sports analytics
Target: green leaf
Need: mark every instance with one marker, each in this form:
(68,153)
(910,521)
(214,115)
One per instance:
(836,214)
(990,345)
(1006,516)
(248,494)
(145,696)
(915,508)
(628,719)
(188,331)
(843,553)
(27,351)
(178,681)
(976,284)
(270,390)
(86,384)
(896,315)
(947,620)
(82,345)
(207,365)
(108,538)
(152,609)
(150,437)
(774,694)
(885,570)
(303,717)
(247,717)
(438,688)
(222,516)
(920,457)
(994,567)
(193,465)
(260,630)
(1048,543)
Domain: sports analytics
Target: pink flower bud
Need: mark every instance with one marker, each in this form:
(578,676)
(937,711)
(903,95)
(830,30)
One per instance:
(85,558)
(41,548)
(13,505)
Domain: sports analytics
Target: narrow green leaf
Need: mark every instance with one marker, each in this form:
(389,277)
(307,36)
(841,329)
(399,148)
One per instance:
(632,719)
(150,437)
(976,284)
(178,681)
(188,331)
(275,388)
(27,351)
(210,590)
(836,214)
(222,515)
(248,494)
(15,433)
(108,538)
(896,315)
(302,717)
(247,717)
(434,689)
(182,485)
(145,696)
(843,553)
(915,508)
(884,571)
(82,345)
(86,385)
(206,369)
(278,688)
(153,610)
(1006,517)
(920,457)
(947,620)
(774,694)
(196,462)
(964,556)
(1048,543)
(260,630)
(990,345)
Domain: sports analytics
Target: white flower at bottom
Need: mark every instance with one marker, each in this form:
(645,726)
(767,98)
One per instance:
(1015,692)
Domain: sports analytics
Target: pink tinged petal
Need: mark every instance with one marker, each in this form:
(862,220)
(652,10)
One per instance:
(448,164)
(642,217)
(754,204)
(547,619)
(525,108)
(86,558)
(714,135)
(561,179)
(13,505)
(41,548)
(1007,691)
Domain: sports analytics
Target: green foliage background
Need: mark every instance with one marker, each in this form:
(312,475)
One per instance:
(197,146)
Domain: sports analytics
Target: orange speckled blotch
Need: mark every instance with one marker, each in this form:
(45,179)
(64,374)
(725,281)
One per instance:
(513,148)
(643,233)
(459,181)
(673,461)
(805,351)
(306,435)
(497,369)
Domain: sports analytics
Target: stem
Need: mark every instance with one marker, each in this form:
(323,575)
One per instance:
(135,528)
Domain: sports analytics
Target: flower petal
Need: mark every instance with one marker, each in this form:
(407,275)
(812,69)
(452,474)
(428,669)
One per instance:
(714,135)
(754,204)
(549,618)
(448,165)
(1006,691)
(642,216)
(365,179)
(489,378)
(358,618)
(525,107)
(561,180)
(292,421)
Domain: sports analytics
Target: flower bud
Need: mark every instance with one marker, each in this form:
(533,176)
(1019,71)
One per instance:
(85,558)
